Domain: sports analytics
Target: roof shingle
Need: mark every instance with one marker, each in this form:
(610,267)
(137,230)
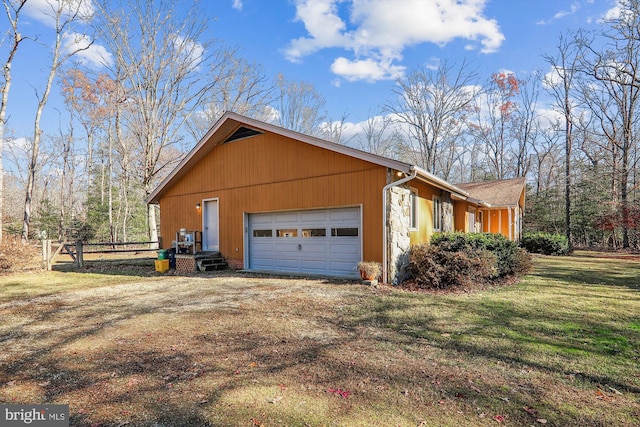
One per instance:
(504,192)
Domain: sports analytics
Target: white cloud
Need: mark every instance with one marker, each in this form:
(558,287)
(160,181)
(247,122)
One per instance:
(92,55)
(379,30)
(573,9)
(44,10)
(237,4)
(549,117)
(553,77)
(575,6)
(614,13)
(320,18)
(366,69)
(192,51)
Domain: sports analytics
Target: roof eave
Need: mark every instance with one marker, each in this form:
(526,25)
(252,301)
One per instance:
(430,178)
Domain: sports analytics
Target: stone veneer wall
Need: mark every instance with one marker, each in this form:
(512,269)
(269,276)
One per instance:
(447,212)
(398,240)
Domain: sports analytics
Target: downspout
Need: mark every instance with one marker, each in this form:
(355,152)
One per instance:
(385,268)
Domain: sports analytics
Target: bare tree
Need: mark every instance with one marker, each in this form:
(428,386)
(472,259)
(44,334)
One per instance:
(494,124)
(300,106)
(379,136)
(545,157)
(560,83)
(617,69)
(526,124)
(63,15)
(161,61)
(236,85)
(14,38)
(433,105)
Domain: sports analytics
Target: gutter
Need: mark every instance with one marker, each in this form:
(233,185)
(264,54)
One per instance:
(414,173)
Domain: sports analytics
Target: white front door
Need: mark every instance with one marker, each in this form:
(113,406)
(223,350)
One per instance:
(210,226)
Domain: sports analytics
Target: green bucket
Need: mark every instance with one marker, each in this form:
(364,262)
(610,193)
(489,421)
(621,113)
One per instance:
(162,254)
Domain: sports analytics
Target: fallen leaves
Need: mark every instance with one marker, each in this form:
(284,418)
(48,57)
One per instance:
(340,392)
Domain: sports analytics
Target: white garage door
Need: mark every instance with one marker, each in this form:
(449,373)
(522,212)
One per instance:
(324,241)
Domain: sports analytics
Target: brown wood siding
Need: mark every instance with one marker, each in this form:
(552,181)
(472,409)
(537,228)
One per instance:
(460,216)
(268,173)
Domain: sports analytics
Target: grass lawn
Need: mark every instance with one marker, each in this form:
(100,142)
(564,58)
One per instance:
(561,348)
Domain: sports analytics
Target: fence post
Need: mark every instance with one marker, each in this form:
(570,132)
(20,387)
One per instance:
(79,255)
(46,253)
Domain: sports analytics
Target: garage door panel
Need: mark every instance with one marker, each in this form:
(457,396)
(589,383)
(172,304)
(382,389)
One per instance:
(286,218)
(313,265)
(343,266)
(344,215)
(286,262)
(309,246)
(259,245)
(319,217)
(345,248)
(314,248)
(261,219)
(283,248)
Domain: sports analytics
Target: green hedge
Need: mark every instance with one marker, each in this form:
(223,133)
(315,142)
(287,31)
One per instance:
(546,243)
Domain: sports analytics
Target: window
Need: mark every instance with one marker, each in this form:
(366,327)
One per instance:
(262,233)
(314,232)
(472,220)
(287,232)
(413,213)
(344,232)
(437,213)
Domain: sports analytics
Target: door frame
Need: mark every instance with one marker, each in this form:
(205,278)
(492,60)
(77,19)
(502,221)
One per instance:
(205,237)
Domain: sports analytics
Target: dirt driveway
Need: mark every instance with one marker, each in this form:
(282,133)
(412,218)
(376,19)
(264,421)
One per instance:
(161,351)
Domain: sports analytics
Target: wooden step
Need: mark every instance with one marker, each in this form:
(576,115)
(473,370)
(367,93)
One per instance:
(210,263)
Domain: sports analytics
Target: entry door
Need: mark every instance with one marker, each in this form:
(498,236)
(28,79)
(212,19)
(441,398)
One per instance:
(210,235)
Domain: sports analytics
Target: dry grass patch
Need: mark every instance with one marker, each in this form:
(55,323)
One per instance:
(232,349)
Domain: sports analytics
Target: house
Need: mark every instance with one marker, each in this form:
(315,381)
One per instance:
(505,199)
(270,199)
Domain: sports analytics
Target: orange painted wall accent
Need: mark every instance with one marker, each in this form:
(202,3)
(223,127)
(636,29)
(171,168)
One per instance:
(267,173)
(499,222)
(461,216)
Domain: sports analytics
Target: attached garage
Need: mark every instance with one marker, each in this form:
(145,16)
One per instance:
(321,241)
(271,199)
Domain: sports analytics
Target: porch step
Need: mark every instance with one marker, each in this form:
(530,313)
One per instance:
(210,261)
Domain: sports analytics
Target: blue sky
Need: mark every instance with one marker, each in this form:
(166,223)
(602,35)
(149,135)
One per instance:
(353,50)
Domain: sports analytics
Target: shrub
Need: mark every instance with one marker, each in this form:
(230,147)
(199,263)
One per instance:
(425,267)
(461,260)
(504,249)
(17,256)
(435,268)
(546,243)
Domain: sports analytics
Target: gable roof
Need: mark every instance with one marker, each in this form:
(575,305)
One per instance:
(504,192)
(232,126)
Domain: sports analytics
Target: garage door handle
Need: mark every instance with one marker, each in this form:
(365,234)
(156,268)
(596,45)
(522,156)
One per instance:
(299,247)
